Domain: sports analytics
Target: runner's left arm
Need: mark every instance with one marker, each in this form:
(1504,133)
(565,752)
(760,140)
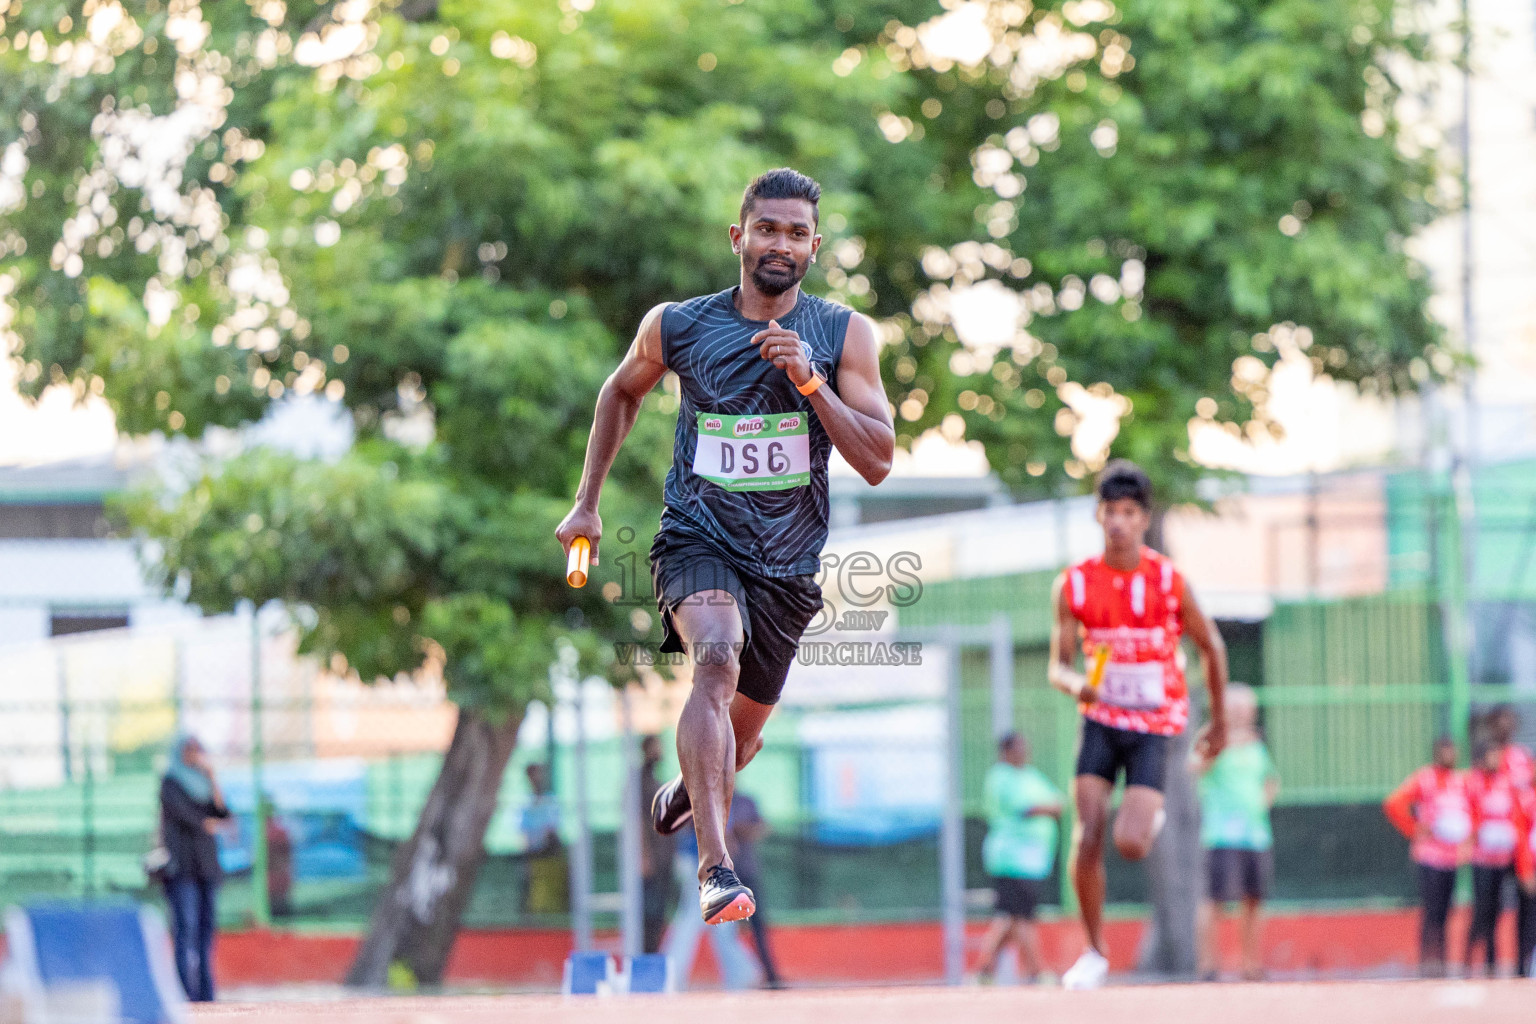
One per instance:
(1213,658)
(857,416)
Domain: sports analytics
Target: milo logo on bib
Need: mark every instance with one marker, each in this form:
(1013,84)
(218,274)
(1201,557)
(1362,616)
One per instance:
(764,452)
(748,426)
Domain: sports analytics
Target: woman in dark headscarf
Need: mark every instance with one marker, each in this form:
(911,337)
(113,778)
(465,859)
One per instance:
(192,811)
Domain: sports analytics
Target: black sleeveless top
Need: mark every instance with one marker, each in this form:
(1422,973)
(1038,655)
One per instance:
(757,489)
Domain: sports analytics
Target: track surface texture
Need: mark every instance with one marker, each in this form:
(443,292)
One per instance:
(1408,1002)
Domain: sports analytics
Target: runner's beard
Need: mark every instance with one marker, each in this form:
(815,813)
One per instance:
(776,281)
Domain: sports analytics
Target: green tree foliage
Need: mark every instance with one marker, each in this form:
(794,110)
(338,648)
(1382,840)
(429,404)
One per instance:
(450,219)
(1170,180)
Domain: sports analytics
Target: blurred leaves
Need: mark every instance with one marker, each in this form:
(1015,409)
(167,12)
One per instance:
(450,220)
(1201,172)
(452,228)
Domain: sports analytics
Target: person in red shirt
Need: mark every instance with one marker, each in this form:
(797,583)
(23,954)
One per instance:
(1525,870)
(1498,827)
(1127,610)
(1518,764)
(1432,810)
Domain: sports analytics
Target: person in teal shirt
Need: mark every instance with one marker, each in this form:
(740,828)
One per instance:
(1237,790)
(1023,809)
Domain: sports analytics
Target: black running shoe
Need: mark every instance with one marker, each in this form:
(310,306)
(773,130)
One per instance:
(670,808)
(724,898)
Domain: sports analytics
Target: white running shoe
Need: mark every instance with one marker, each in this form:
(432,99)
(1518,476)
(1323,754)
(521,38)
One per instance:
(1090,971)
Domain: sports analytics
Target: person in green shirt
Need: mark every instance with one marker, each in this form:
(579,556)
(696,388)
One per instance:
(1237,789)
(1022,813)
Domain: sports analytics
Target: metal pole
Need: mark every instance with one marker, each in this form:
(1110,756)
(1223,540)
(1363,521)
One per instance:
(66,720)
(632,909)
(952,826)
(1458,626)
(1002,675)
(1465,481)
(1063,543)
(178,683)
(1313,559)
(1468,254)
(581,856)
(261,911)
(88,820)
(1067,726)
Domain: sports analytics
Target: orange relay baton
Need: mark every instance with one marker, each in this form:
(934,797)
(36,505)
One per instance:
(577,561)
(1096,666)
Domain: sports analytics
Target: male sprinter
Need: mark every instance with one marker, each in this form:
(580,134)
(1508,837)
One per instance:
(1133,602)
(771,380)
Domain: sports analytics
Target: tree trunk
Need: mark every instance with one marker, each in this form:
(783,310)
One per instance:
(1174,873)
(417,914)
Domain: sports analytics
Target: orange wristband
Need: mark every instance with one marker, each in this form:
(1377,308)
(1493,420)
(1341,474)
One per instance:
(815,382)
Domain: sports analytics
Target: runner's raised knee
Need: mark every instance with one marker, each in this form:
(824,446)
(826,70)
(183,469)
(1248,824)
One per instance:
(1133,847)
(1133,840)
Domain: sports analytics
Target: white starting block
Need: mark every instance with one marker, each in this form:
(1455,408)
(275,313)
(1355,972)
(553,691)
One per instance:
(596,974)
(106,964)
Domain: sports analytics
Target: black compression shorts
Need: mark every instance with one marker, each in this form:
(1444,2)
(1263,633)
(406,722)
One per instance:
(1106,751)
(775,609)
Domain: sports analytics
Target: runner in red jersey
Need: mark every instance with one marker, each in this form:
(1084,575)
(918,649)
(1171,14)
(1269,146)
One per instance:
(1131,607)
(1431,808)
(1498,828)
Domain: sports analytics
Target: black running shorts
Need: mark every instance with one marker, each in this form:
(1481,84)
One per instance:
(1106,751)
(775,610)
(1016,897)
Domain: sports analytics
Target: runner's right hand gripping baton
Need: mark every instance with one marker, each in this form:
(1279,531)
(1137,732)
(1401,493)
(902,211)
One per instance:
(577,561)
(1096,666)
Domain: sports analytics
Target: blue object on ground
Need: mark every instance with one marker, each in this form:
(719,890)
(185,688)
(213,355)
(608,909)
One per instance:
(648,973)
(585,971)
(61,944)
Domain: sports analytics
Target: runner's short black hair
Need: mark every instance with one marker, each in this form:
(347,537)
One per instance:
(1124,479)
(782,183)
(1481,749)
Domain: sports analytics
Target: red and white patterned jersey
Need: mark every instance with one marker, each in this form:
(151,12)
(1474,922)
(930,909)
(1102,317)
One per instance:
(1519,766)
(1525,852)
(1437,799)
(1138,614)
(1498,818)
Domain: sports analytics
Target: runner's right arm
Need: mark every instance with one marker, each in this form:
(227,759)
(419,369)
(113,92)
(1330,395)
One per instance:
(1060,669)
(618,403)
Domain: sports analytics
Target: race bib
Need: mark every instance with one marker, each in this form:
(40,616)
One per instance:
(1496,836)
(770,452)
(1133,685)
(1451,826)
